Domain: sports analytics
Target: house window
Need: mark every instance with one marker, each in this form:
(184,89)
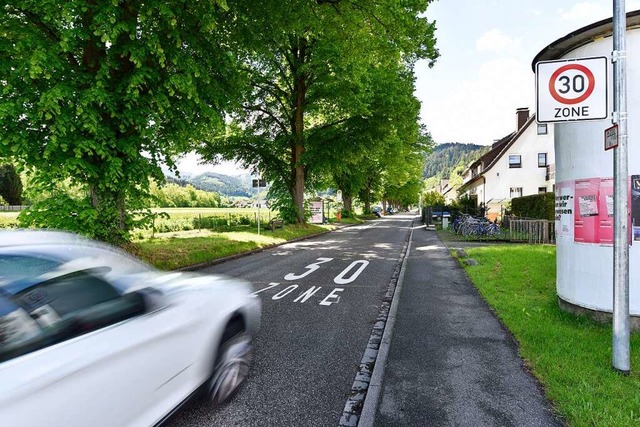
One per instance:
(515,192)
(542,128)
(542,160)
(542,190)
(515,161)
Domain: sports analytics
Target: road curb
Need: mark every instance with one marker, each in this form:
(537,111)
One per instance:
(362,404)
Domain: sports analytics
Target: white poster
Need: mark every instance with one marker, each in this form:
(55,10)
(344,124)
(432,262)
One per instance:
(564,210)
(316,213)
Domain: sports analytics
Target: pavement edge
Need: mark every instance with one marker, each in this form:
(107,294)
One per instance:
(362,404)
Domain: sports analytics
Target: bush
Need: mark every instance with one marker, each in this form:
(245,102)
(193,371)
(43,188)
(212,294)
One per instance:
(537,206)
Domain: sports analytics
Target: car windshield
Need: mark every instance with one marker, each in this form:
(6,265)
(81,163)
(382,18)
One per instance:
(16,267)
(24,267)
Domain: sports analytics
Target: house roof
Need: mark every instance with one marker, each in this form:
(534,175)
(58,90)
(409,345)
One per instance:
(498,149)
(582,36)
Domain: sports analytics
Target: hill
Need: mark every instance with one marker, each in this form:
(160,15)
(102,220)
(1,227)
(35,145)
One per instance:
(445,157)
(222,184)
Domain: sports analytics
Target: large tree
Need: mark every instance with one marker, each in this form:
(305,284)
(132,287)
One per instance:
(360,152)
(102,92)
(309,67)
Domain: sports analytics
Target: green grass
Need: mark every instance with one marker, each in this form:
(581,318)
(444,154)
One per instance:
(181,249)
(570,355)
(8,219)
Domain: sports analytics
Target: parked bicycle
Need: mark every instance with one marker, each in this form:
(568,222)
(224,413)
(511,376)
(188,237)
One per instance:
(468,225)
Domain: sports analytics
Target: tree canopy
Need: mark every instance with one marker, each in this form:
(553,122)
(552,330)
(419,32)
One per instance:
(101,93)
(97,96)
(318,76)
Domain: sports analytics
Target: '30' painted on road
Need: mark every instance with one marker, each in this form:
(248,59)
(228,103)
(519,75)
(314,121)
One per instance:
(346,276)
(340,279)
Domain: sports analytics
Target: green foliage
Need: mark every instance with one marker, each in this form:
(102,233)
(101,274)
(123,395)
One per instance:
(10,185)
(61,211)
(536,206)
(282,201)
(445,157)
(101,93)
(175,196)
(433,198)
(456,176)
(318,75)
(466,204)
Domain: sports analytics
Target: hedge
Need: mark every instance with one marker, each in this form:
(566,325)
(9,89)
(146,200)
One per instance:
(537,206)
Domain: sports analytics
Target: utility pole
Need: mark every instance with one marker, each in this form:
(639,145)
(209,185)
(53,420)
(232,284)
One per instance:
(621,323)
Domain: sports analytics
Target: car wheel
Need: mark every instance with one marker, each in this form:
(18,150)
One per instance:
(231,367)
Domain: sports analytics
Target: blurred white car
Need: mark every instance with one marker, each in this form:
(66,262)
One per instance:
(90,336)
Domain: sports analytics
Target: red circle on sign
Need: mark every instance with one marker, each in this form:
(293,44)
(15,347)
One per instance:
(552,84)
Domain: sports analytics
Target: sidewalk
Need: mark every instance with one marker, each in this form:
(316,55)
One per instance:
(450,361)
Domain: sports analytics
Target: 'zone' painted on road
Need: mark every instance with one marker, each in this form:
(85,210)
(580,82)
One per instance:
(346,276)
(332,298)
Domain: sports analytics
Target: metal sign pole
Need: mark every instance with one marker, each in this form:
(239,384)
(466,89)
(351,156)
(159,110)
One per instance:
(621,327)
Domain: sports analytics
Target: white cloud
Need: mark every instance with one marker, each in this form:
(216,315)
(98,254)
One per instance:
(588,12)
(585,12)
(191,164)
(481,108)
(494,41)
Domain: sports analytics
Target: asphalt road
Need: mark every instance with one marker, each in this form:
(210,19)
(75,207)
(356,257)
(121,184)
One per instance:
(320,300)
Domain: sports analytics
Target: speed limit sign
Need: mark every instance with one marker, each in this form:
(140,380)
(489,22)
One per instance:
(571,90)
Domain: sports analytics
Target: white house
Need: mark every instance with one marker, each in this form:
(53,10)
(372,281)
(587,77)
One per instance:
(520,164)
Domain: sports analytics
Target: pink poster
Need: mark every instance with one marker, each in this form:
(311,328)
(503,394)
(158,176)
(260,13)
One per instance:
(586,211)
(605,207)
(634,199)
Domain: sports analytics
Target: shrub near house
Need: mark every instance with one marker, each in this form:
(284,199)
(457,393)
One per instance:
(536,206)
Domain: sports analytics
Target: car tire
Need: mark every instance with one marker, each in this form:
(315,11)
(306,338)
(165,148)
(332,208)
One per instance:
(232,365)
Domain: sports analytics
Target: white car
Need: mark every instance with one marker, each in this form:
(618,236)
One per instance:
(90,336)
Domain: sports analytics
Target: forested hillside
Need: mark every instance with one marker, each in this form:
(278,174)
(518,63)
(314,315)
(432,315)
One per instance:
(445,157)
(222,184)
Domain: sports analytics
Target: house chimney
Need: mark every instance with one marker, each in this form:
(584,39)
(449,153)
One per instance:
(522,114)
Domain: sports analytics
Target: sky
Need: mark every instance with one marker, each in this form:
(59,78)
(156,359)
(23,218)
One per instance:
(484,70)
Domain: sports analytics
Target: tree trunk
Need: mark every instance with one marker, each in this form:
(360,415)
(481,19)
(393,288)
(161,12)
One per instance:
(367,197)
(298,184)
(347,202)
(299,52)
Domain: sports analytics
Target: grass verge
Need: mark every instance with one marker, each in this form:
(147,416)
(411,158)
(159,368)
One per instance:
(181,249)
(570,355)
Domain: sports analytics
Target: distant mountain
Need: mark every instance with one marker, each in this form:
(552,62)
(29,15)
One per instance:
(445,157)
(223,184)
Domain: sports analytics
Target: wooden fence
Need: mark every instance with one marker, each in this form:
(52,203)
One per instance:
(533,231)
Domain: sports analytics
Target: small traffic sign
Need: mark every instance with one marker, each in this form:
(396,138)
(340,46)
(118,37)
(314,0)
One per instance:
(571,90)
(611,137)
